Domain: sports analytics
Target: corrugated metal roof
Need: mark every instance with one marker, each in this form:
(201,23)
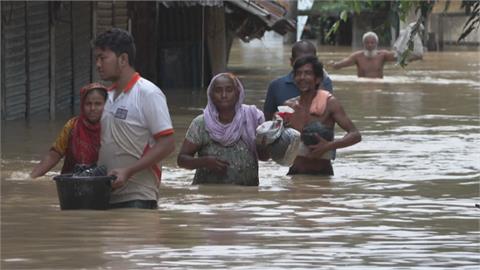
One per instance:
(270,12)
(208,3)
(258,17)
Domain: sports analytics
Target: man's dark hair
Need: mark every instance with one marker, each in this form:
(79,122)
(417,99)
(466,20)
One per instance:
(118,41)
(303,47)
(313,60)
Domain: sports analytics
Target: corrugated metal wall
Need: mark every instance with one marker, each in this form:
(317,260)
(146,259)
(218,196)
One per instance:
(82,56)
(63,57)
(28,67)
(111,14)
(120,15)
(180,47)
(38,48)
(46,55)
(14,91)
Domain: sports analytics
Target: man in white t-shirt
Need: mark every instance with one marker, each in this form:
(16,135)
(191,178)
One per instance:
(137,130)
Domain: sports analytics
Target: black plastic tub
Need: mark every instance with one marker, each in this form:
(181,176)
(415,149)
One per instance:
(83,192)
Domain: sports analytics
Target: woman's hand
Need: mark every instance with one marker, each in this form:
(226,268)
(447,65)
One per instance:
(215,165)
(263,150)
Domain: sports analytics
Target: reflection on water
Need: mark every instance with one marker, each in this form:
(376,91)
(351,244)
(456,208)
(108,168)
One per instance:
(403,198)
(410,79)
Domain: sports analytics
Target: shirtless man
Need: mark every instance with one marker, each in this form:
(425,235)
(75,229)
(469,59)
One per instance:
(369,61)
(317,106)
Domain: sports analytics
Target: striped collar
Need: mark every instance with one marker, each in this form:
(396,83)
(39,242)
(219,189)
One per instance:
(129,85)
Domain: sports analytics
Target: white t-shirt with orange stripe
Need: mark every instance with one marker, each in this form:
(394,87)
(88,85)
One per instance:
(130,124)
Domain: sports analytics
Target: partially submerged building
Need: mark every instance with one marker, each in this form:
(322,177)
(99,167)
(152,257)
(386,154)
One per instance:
(445,24)
(47,56)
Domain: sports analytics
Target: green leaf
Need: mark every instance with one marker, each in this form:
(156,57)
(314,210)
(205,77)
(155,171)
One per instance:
(447,5)
(344,15)
(356,6)
(467,31)
(333,29)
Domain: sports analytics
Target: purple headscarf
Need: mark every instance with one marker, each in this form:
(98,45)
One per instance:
(243,125)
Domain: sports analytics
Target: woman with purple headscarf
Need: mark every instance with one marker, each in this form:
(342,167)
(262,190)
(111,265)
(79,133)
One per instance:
(223,137)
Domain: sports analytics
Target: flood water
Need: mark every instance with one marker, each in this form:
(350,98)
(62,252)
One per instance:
(403,198)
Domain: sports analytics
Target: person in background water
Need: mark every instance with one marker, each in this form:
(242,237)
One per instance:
(79,140)
(284,88)
(317,105)
(224,137)
(370,60)
(137,130)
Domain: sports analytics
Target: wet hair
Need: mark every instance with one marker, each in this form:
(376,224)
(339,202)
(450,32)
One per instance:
(303,47)
(101,91)
(369,34)
(313,60)
(233,79)
(235,82)
(230,76)
(118,41)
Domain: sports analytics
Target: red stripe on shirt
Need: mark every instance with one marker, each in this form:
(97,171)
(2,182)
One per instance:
(157,171)
(163,133)
(129,85)
(132,82)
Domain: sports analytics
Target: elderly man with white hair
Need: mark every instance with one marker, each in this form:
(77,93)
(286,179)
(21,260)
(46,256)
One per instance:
(370,60)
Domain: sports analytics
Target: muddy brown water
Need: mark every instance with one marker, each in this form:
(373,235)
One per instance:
(401,199)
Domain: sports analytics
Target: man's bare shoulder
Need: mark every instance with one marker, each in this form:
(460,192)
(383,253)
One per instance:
(357,54)
(387,53)
(333,103)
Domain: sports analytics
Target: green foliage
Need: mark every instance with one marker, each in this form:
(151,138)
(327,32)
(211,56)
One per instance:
(399,9)
(331,6)
(347,7)
(338,6)
(404,56)
(334,28)
(473,21)
(424,8)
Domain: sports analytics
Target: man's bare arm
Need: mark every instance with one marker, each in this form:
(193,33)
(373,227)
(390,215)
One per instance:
(341,118)
(349,61)
(389,56)
(163,147)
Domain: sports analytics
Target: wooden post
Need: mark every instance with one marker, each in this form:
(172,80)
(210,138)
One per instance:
(3,96)
(72,57)
(202,68)
(441,17)
(52,92)
(145,31)
(355,30)
(27,65)
(292,13)
(156,57)
(216,39)
(94,35)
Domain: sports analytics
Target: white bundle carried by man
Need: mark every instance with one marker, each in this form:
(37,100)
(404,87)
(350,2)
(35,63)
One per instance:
(401,44)
(284,142)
